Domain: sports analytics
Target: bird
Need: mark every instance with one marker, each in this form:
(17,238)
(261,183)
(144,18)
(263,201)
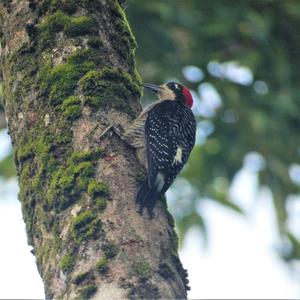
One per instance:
(163,136)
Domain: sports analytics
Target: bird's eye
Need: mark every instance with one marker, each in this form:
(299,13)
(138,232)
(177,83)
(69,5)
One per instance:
(173,86)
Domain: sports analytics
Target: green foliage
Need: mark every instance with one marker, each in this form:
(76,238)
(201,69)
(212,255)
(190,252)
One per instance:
(261,116)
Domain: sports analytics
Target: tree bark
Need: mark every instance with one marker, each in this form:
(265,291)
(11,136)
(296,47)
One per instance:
(2,120)
(68,73)
(2,113)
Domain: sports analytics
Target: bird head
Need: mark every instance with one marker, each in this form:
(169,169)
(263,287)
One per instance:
(172,91)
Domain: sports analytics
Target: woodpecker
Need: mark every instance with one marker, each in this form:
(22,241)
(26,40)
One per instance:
(163,135)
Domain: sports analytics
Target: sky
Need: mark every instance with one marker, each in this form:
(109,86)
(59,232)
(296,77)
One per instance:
(240,261)
(19,277)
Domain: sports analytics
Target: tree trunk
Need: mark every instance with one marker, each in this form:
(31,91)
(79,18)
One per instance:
(68,73)
(2,120)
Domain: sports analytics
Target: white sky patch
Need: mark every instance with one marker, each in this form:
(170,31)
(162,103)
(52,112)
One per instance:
(261,87)
(8,189)
(197,103)
(237,73)
(204,129)
(215,69)
(254,161)
(192,73)
(210,100)
(232,71)
(294,172)
(293,209)
(240,261)
(245,186)
(19,276)
(5,144)
(244,189)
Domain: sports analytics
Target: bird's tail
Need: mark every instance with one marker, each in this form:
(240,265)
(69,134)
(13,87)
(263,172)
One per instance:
(147,197)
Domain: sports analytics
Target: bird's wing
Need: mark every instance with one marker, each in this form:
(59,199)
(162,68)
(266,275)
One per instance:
(170,133)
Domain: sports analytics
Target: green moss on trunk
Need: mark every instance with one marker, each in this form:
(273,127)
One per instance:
(87,291)
(142,270)
(67,263)
(102,266)
(110,250)
(85,226)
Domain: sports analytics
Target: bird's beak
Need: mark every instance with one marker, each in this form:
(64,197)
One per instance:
(153,87)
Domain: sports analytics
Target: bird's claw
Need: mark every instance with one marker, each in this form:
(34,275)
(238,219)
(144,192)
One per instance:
(112,129)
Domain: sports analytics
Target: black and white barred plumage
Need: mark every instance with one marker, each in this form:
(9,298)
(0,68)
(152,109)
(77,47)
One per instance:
(164,135)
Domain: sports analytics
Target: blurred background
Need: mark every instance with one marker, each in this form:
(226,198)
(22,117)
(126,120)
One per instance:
(236,203)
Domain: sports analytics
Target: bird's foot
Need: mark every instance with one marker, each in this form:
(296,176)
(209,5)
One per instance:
(112,129)
(140,210)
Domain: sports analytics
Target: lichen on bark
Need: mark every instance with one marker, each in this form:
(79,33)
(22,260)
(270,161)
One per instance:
(68,72)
